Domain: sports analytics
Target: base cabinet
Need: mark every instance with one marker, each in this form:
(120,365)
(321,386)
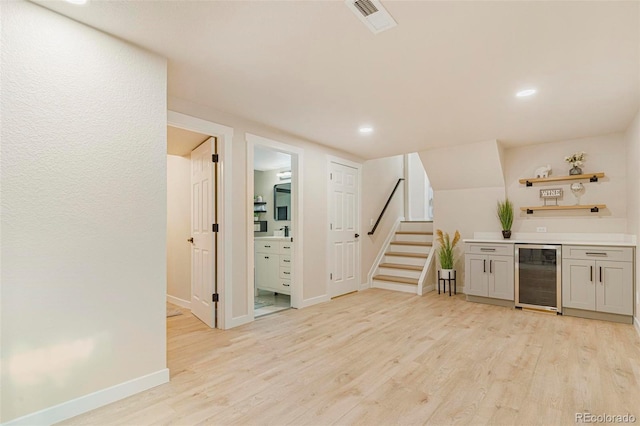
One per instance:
(592,282)
(489,271)
(273,265)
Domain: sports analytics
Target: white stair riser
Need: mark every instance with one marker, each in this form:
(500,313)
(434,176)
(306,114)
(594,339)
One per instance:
(404,260)
(409,249)
(398,272)
(413,237)
(416,226)
(407,288)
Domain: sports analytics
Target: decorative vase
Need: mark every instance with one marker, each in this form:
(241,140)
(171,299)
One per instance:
(447,273)
(575,170)
(506,234)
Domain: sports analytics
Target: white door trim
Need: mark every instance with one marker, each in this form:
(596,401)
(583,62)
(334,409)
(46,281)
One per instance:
(224,135)
(297,165)
(358,167)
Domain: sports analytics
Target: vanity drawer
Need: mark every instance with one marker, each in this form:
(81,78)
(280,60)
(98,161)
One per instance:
(285,247)
(284,286)
(285,273)
(496,249)
(620,254)
(285,260)
(267,246)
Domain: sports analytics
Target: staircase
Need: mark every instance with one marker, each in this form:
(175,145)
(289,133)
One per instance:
(406,258)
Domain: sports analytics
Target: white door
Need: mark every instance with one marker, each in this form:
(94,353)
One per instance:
(202,246)
(343,230)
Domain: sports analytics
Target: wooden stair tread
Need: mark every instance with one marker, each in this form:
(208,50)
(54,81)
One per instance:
(402,254)
(413,233)
(411,243)
(391,278)
(401,266)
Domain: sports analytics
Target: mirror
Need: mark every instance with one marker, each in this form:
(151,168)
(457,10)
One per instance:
(282,201)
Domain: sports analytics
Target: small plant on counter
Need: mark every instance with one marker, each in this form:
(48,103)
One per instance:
(504,210)
(446,252)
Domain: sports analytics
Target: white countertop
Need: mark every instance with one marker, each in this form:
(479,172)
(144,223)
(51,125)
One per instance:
(272,238)
(623,240)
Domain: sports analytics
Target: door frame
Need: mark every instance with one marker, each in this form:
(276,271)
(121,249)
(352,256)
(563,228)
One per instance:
(297,161)
(358,167)
(224,136)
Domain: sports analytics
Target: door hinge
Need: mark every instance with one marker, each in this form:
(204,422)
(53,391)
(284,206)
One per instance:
(331,226)
(215,158)
(215,297)
(215,227)
(330,176)
(331,275)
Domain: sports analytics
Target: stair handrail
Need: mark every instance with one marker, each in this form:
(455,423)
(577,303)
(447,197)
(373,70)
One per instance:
(385,207)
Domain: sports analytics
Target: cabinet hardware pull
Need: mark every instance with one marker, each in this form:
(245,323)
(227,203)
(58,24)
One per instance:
(591,273)
(487,249)
(286,285)
(286,261)
(266,246)
(266,257)
(484,265)
(286,273)
(490,266)
(287,247)
(591,253)
(601,275)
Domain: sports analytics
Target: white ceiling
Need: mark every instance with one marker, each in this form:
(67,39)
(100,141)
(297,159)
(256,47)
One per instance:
(447,74)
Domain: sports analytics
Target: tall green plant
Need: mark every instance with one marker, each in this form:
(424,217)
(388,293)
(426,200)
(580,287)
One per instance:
(445,252)
(504,210)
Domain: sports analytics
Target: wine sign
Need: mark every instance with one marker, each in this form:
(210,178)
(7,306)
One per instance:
(551,193)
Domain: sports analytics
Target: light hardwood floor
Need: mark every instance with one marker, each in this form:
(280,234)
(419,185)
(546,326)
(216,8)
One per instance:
(379,358)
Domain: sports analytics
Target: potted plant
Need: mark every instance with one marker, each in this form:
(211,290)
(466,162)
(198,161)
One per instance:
(504,211)
(576,160)
(446,252)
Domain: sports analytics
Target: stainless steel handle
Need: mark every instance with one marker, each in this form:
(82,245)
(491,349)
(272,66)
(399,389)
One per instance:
(592,253)
(487,249)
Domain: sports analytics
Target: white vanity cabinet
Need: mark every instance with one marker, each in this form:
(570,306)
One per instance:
(273,264)
(598,279)
(489,271)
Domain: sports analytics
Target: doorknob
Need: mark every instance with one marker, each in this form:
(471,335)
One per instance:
(190,240)
(357,235)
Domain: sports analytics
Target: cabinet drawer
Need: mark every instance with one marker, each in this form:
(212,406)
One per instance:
(285,260)
(284,286)
(267,246)
(285,247)
(285,273)
(620,254)
(496,249)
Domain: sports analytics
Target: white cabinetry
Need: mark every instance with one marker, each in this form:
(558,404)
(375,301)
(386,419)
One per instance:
(598,279)
(489,270)
(273,265)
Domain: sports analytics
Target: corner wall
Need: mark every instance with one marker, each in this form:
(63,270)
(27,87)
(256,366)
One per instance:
(179,229)
(83,175)
(632,140)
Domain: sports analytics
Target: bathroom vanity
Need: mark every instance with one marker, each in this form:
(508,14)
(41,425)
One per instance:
(273,264)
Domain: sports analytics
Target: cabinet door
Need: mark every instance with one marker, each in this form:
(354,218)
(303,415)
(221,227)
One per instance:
(614,289)
(578,284)
(267,271)
(476,280)
(501,277)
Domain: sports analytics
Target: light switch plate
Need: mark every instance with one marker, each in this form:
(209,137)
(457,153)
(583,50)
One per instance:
(541,229)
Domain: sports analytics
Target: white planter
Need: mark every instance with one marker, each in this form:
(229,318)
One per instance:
(447,273)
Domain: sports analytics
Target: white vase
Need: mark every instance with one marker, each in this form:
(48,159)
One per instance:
(447,273)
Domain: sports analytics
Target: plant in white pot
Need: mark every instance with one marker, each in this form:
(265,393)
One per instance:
(446,253)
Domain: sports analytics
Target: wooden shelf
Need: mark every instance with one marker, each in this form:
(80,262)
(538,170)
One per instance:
(593,207)
(593,177)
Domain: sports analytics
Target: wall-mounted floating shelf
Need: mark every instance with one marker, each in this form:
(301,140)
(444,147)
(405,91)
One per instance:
(593,177)
(595,208)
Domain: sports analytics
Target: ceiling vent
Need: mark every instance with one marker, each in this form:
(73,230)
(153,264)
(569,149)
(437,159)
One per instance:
(373,14)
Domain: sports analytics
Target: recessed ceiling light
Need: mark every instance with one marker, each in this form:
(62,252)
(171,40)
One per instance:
(525,93)
(366,129)
(79,2)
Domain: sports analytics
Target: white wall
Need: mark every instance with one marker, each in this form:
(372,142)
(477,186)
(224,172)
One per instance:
(378,180)
(314,178)
(179,227)
(604,154)
(418,204)
(83,172)
(263,185)
(632,140)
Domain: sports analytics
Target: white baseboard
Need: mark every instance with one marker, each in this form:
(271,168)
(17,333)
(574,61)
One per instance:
(428,288)
(636,323)
(180,302)
(315,300)
(364,286)
(94,400)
